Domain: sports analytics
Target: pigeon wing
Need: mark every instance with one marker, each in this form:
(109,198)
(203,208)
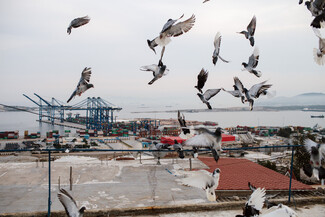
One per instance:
(257,199)
(217,41)
(253,91)
(239,85)
(208,94)
(72,95)
(69,203)
(253,59)
(201,140)
(169,23)
(85,74)
(309,143)
(251,26)
(199,180)
(181,27)
(80,21)
(202,78)
(152,68)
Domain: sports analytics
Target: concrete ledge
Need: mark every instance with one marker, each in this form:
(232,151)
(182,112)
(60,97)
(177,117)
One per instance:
(154,210)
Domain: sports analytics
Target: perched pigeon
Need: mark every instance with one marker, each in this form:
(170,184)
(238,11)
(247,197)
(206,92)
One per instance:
(208,94)
(204,180)
(249,34)
(201,79)
(254,204)
(238,90)
(171,30)
(255,91)
(75,23)
(157,70)
(83,84)
(317,154)
(279,211)
(319,54)
(70,204)
(215,56)
(207,139)
(252,63)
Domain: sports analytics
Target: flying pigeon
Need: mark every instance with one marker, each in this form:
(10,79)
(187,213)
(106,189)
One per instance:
(252,63)
(255,91)
(317,154)
(279,211)
(238,90)
(319,21)
(204,180)
(157,70)
(316,7)
(170,29)
(75,23)
(201,79)
(70,204)
(159,153)
(267,196)
(319,54)
(215,56)
(249,34)
(208,94)
(182,122)
(208,139)
(83,84)
(205,1)
(254,204)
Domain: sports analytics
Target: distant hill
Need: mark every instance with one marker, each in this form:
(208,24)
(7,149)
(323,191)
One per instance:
(301,99)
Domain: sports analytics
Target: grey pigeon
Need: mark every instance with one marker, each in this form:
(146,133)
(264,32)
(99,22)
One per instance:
(252,63)
(249,34)
(70,204)
(75,23)
(316,7)
(201,79)
(207,139)
(255,91)
(158,147)
(208,94)
(182,122)
(215,56)
(238,90)
(83,84)
(170,29)
(157,70)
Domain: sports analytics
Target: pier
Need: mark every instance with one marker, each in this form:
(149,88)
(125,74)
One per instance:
(65,124)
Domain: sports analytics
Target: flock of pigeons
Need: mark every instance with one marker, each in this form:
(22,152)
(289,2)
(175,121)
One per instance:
(317,10)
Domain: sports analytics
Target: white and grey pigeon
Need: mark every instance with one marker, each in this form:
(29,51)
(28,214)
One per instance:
(255,91)
(182,123)
(170,29)
(249,34)
(204,180)
(316,7)
(254,204)
(206,139)
(279,211)
(157,70)
(317,155)
(208,94)
(319,53)
(83,84)
(201,79)
(70,204)
(268,203)
(75,23)
(252,63)
(238,90)
(158,150)
(215,55)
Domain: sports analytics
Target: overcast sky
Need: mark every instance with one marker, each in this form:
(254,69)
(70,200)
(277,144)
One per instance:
(38,56)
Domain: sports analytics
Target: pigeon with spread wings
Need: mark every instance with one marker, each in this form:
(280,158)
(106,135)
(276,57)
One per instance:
(255,91)
(204,180)
(238,90)
(83,84)
(75,23)
(254,204)
(170,29)
(252,63)
(201,79)
(70,204)
(157,70)
(249,34)
(208,94)
(317,155)
(215,55)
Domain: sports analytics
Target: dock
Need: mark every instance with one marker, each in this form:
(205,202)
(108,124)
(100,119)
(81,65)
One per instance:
(65,124)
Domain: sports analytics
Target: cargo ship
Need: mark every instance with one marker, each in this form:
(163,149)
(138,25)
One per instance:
(317,116)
